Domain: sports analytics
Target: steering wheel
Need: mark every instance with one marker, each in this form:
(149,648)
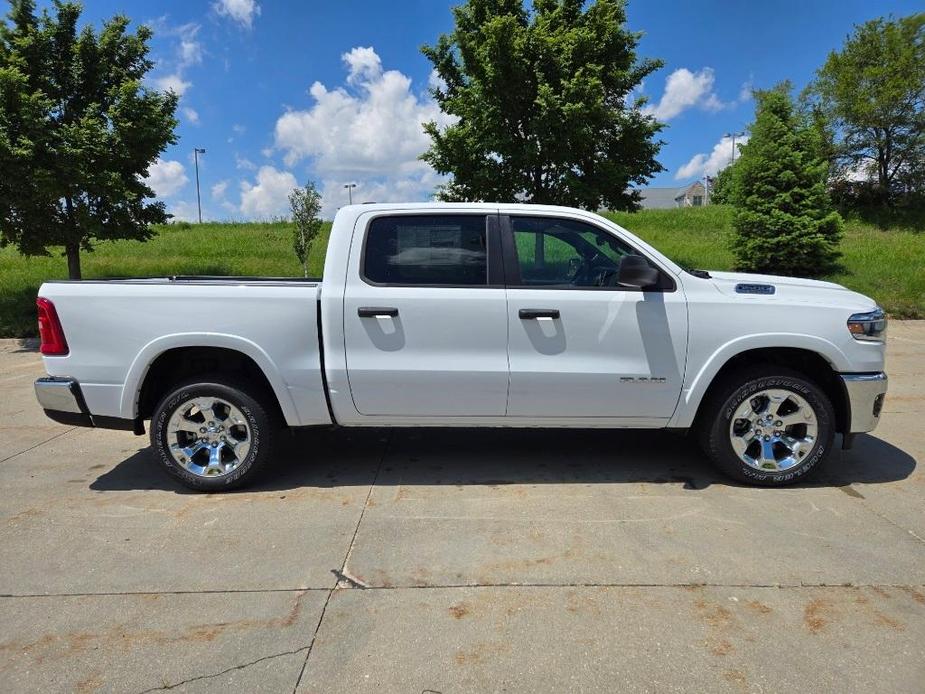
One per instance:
(606,277)
(578,268)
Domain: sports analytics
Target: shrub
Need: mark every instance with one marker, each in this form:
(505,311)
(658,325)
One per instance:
(784,222)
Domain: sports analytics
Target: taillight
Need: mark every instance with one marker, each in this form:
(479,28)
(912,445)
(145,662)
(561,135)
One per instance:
(50,330)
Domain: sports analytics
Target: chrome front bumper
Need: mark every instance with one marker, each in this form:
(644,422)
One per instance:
(865,400)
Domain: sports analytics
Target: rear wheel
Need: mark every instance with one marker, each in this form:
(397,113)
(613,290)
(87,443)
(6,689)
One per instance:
(768,426)
(212,435)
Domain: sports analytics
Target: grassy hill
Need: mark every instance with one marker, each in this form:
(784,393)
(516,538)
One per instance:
(888,265)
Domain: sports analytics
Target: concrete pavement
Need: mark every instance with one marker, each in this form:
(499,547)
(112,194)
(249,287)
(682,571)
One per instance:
(461,560)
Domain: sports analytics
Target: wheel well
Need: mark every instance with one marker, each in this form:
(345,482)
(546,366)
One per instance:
(811,365)
(179,364)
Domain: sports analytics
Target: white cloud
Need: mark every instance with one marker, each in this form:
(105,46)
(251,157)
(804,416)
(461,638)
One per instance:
(219,190)
(184,211)
(370,130)
(364,64)
(418,186)
(241,11)
(219,195)
(712,163)
(243,163)
(745,92)
(684,89)
(861,171)
(191,115)
(435,81)
(166,177)
(189,51)
(269,196)
(173,83)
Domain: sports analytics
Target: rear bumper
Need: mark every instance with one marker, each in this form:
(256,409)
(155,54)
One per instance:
(866,392)
(63,402)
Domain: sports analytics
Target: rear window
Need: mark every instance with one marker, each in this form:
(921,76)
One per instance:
(427,249)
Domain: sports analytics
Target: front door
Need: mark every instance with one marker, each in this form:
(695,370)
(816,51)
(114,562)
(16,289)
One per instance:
(580,345)
(425,318)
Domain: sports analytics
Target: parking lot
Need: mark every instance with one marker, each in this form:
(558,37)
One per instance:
(461,560)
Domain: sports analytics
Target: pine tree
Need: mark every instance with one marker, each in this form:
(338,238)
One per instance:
(784,222)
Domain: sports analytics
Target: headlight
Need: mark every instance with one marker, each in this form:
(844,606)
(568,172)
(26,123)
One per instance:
(868,327)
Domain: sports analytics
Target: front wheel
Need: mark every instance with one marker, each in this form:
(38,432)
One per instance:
(768,426)
(212,435)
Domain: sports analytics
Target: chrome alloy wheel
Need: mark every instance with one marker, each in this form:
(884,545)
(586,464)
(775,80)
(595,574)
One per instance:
(208,436)
(773,430)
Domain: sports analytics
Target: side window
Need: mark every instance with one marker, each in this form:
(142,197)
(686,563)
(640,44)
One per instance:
(426,249)
(565,253)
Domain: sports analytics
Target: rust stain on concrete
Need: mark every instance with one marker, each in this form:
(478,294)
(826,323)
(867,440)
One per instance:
(816,615)
(459,611)
(758,607)
(915,595)
(482,652)
(120,638)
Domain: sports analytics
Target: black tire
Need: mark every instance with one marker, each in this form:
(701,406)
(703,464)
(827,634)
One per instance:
(717,417)
(249,399)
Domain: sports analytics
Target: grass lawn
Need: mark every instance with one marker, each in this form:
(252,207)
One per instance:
(887,265)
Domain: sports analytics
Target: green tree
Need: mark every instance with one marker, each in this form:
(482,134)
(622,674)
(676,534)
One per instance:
(783,222)
(721,187)
(873,94)
(542,102)
(77,132)
(305,204)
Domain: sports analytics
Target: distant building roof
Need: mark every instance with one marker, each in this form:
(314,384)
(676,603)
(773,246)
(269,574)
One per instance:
(660,198)
(666,198)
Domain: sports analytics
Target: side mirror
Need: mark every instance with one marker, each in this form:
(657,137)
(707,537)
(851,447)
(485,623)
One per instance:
(635,271)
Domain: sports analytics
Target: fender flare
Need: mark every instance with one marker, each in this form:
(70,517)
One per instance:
(696,388)
(151,351)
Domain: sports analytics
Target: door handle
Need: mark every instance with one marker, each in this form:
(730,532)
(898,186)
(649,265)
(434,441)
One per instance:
(373,311)
(528,313)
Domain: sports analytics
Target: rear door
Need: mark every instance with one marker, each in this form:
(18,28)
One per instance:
(581,346)
(425,317)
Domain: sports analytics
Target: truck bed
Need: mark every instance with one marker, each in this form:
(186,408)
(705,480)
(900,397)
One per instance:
(117,328)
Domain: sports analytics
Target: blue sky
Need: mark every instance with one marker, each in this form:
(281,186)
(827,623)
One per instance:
(282,92)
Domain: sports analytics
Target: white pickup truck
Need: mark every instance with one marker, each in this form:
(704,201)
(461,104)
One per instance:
(468,315)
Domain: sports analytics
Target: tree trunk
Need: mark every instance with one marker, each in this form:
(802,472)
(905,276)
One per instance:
(73,260)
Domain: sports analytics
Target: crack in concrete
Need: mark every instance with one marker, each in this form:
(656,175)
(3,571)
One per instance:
(42,443)
(225,671)
(343,569)
(883,516)
(348,582)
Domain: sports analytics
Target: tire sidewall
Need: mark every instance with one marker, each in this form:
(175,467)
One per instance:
(722,446)
(253,413)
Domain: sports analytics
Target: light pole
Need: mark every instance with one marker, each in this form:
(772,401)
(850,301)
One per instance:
(734,135)
(196,152)
(350,187)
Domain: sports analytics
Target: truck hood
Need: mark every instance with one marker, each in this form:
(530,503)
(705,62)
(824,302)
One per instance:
(794,289)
